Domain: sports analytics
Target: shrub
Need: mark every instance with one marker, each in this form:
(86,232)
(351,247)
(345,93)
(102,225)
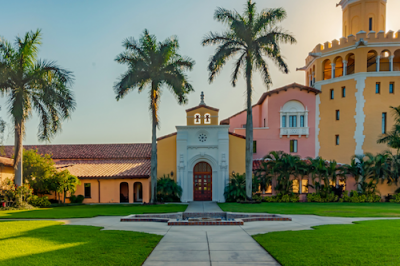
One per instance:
(355,197)
(236,189)
(168,190)
(282,198)
(257,197)
(396,198)
(41,202)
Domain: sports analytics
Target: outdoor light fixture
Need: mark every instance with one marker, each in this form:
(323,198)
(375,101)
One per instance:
(233,172)
(172,173)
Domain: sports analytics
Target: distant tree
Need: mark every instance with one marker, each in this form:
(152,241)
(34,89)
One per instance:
(32,84)
(154,65)
(66,182)
(251,37)
(392,138)
(38,171)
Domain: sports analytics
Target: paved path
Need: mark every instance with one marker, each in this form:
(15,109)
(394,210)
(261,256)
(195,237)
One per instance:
(208,245)
(212,245)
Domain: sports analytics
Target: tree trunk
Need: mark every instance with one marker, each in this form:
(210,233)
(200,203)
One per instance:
(65,192)
(154,95)
(18,131)
(249,130)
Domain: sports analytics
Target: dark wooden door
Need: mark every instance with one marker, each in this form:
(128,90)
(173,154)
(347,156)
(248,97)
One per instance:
(202,182)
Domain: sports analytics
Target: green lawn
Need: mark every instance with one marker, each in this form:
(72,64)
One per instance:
(50,243)
(363,243)
(322,209)
(83,211)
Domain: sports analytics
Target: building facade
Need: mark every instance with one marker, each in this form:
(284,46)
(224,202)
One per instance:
(202,155)
(283,119)
(358,77)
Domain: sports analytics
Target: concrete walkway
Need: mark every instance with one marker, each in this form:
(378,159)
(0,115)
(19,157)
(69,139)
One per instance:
(203,206)
(212,245)
(208,245)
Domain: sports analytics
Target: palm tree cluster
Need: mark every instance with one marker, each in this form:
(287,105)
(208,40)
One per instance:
(281,169)
(250,37)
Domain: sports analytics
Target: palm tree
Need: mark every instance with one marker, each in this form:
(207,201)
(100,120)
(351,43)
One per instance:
(249,37)
(33,84)
(154,65)
(392,138)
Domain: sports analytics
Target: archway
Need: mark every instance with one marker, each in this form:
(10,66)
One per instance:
(137,192)
(371,61)
(338,67)
(123,192)
(384,63)
(202,182)
(351,64)
(396,61)
(327,69)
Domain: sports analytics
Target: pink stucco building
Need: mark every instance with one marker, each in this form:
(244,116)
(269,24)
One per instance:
(284,120)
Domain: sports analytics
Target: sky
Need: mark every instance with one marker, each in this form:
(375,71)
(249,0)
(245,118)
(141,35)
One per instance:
(86,36)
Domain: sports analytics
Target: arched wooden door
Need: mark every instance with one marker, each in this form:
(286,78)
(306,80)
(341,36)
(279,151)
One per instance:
(202,182)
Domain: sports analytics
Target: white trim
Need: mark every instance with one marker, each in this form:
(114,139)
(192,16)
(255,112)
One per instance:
(360,115)
(317,120)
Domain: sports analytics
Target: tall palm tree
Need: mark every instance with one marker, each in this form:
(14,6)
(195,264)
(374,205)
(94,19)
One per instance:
(154,65)
(250,37)
(33,84)
(392,138)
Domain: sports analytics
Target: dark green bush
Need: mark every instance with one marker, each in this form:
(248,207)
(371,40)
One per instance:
(168,190)
(76,199)
(41,202)
(396,198)
(236,189)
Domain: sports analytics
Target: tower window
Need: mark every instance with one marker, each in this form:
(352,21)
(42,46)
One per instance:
(207,119)
(337,139)
(378,88)
(265,124)
(302,121)
(343,92)
(391,87)
(370,24)
(332,94)
(384,123)
(197,119)
(337,115)
(254,146)
(293,145)
(284,121)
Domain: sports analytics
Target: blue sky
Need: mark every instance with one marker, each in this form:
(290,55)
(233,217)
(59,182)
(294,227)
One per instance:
(86,36)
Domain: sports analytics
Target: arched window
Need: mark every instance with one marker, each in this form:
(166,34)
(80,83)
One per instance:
(207,119)
(338,67)
(137,192)
(396,61)
(351,64)
(123,192)
(327,69)
(384,61)
(372,61)
(294,119)
(197,119)
(313,75)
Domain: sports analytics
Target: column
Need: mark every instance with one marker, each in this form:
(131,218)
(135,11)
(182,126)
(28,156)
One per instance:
(344,68)
(378,63)
(391,62)
(333,70)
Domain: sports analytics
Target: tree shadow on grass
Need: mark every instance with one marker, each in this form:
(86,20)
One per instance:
(50,243)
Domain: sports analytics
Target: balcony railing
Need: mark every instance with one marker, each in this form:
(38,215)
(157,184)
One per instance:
(294,131)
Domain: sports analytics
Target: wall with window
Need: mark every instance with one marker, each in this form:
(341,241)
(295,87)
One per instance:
(375,105)
(269,138)
(330,126)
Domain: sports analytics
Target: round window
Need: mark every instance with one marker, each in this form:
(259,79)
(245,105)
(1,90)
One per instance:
(202,137)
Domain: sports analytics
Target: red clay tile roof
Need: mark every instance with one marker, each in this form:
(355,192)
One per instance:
(237,135)
(204,106)
(269,93)
(167,136)
(107,169)
(90,151)
(6,161)
(257,164)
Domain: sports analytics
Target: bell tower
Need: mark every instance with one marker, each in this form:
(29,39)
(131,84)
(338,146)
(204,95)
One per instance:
(363,15)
